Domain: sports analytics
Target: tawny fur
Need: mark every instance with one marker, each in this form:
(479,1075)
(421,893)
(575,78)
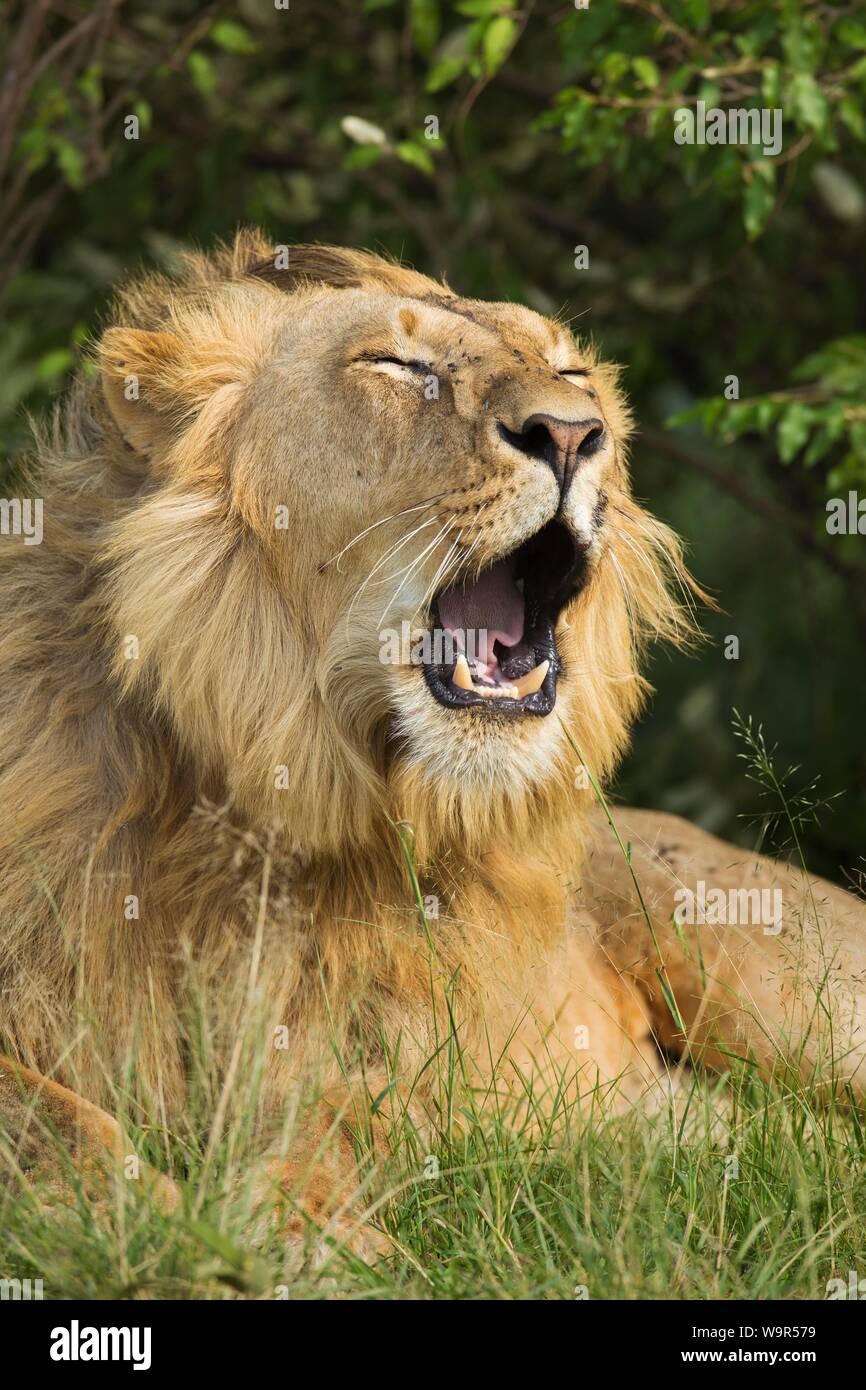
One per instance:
(195,716)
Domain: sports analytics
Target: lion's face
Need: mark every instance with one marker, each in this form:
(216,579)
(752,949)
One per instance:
(437,488)
(458,482)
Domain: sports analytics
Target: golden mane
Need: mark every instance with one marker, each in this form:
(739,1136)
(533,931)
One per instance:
(141,845)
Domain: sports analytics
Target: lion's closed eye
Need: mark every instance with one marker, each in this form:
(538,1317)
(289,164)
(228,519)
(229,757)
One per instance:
(579,378)
(395,367)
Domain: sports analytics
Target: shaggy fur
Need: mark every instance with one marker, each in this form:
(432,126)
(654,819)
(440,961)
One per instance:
(207,773)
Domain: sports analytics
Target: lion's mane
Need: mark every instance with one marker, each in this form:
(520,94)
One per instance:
(140,847)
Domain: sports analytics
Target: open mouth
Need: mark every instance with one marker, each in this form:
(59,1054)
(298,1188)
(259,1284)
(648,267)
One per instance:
(498,631)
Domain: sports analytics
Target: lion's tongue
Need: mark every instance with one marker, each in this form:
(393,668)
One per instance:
(491,608)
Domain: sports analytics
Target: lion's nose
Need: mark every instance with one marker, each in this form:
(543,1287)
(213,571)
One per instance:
(563,444)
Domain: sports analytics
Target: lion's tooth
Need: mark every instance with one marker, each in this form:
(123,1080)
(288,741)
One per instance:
(496,692)
(532,681)
(462,676)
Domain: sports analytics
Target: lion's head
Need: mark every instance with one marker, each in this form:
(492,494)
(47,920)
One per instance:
(380,552)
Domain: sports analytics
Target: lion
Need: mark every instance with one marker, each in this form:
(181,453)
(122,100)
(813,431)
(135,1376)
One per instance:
(311,692)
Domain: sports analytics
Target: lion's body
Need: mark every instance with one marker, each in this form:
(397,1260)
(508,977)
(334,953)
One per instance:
(204,767)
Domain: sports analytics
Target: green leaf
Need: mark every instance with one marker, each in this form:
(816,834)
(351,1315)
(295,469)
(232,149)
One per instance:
(852,32)
(766,412)
(793,430)
(233,37)
(698,13)
(34,147)
(771,85)
(362,156)
(613,66)
(759,197)
(659,121)
(839,365)
(496,44)
(681,78)
(482,9)
(646,71)
(143,110)
(801,43)
(202,72)
(443,73)
(90,83)
(710,93)
(808,102)
(851,113)
(70,162)
(707,413)
(575,121)
(819,447)
(415,155)
(425,25)
(742,418)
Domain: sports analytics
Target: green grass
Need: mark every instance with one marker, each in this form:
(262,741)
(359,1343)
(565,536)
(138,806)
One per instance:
(635,1207)
(734,1188)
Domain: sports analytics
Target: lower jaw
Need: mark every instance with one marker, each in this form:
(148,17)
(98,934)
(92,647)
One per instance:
(540,704)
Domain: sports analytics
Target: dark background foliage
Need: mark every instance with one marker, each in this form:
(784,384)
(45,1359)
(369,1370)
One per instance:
(555,130)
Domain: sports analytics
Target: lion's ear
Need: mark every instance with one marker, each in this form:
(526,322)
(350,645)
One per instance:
(143,384)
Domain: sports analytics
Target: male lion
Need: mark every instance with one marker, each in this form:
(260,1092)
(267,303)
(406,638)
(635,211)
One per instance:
(225,777)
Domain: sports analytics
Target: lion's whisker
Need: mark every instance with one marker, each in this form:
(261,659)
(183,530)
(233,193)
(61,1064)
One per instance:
(383,560)
(428,502)
(462,567)
(415,565)
(410,564)
(403,568)
(434,584)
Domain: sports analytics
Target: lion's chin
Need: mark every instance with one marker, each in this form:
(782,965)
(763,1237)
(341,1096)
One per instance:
(493,648)
(461,780)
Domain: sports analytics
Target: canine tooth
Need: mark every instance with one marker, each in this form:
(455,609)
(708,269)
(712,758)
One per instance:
(532,681)
(462,676)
